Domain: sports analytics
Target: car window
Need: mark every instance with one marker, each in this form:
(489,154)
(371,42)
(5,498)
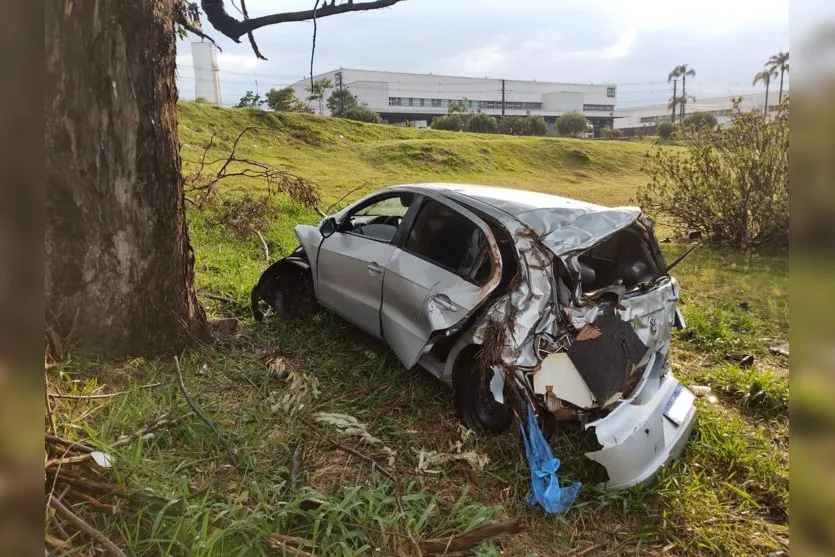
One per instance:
(379,220)
(450,240)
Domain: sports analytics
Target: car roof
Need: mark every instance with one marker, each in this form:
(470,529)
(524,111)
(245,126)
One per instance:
(510,200)
(564,224)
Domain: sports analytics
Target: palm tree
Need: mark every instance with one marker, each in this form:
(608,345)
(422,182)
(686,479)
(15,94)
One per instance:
(674,101)
(682,71)
(765,76)
(779,61)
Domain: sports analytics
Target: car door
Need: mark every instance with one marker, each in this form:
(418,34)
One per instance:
(448,263)
(351,261)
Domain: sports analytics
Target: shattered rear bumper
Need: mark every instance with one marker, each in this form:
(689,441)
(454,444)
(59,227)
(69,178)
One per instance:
(638,439)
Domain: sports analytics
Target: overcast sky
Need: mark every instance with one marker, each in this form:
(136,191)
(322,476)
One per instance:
(631,43)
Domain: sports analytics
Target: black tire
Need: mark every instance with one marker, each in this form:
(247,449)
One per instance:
(474,403)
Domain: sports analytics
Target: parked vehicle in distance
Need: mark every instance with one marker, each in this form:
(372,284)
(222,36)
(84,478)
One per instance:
(511,298)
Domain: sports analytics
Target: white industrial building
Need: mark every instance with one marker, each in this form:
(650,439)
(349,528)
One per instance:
(417,98)
(631,119)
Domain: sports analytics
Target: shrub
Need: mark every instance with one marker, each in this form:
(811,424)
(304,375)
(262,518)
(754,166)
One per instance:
(341,100)
(731,183)
(482,123)
(572,124)
(523,125)
(285,100)
(450,122)
(699,119)
(361,114)
(609,133)
(665,130)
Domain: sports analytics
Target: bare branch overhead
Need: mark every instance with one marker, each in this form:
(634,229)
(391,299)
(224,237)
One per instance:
(234,28)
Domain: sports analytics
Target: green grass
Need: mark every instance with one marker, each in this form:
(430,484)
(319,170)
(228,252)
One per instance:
(726,495)
(341,154)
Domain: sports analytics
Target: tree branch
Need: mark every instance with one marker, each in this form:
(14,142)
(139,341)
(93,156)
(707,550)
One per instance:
(193,25)
(234,28)
(313,46)
(249,33)
(233,458)
(83,526)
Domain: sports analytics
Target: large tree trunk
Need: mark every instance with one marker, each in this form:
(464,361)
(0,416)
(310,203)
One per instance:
(118,267)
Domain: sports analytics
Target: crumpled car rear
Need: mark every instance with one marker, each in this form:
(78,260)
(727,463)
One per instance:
(587,330)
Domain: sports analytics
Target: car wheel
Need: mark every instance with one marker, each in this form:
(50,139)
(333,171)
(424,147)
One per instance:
(293,296)
(474,402)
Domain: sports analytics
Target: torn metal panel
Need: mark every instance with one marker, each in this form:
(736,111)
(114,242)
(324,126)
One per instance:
(560,377)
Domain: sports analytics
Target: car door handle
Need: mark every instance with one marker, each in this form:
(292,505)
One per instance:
(444,301)
(374,269)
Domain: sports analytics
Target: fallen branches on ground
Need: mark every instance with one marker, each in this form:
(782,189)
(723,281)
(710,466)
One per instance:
(76,476)
(463,542)
(101,395)
(84,527)
(233,458)
(397,492)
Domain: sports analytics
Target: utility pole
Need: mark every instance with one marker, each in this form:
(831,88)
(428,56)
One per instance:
(675,92)
(503,97)
(256,86)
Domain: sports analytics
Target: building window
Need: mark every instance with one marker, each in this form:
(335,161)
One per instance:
(598,107)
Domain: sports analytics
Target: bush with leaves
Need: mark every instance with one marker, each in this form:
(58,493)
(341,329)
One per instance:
(523,125)
(361,114)
(250,100)
(665,130)
(482,123)
(285,100)
(451,122)
(572,124)
(341,100)
(731,183)
(699,119)
(609,133)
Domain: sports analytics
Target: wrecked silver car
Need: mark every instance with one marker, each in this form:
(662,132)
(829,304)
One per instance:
(511,298)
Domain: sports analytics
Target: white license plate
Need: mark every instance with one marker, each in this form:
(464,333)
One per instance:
(679,404)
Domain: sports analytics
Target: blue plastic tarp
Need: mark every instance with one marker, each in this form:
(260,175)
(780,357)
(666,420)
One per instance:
(545,484)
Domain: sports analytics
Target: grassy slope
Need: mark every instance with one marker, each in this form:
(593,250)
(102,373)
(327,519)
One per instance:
(340,154)
(728,493)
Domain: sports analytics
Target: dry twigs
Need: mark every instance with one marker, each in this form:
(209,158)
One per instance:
(291,545)
(463,542)
(83,526)
(397,492)
(101,395)
(202,182)
(72,474)
(233,458)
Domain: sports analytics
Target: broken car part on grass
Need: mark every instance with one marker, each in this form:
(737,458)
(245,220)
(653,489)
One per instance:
(512,298)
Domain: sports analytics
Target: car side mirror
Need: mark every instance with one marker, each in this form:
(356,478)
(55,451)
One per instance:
(328,227)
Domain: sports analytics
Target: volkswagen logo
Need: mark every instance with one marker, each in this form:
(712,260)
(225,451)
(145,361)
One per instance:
(653,328)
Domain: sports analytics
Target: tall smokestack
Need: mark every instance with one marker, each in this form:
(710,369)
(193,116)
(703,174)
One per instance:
(206,72)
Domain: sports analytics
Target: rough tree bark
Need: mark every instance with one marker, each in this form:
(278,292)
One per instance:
(118,264)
